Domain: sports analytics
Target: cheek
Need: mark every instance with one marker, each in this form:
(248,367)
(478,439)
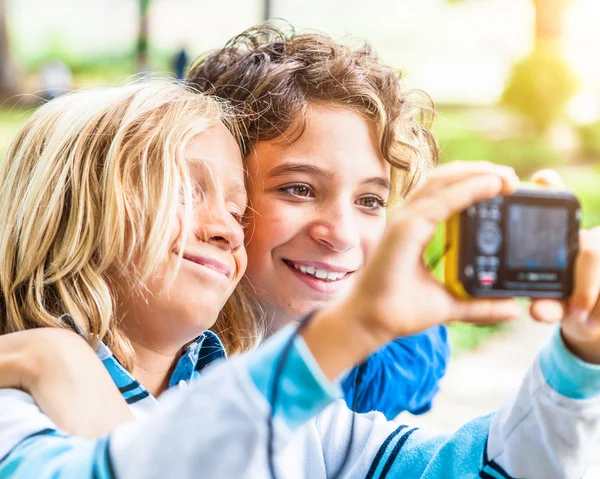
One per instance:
(271,228)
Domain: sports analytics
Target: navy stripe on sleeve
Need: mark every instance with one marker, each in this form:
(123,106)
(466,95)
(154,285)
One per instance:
(395,452)
(137,397)
(485,475)
(493,466)
(382,450)
(130,387)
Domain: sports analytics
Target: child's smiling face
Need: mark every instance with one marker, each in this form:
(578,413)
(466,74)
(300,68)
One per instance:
(318,210)
(213,254)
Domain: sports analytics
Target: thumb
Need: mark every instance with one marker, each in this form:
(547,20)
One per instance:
(485,311)
(547,310)
(548,178)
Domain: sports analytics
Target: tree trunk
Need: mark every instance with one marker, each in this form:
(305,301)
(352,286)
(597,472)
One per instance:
(549,21)
(141,54)
(267,4)
(8,75)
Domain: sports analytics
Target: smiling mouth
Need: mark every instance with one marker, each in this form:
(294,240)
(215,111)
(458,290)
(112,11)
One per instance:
(209,263)
(321,274)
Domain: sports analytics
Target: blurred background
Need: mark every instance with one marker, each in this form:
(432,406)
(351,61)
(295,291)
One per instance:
(514,81)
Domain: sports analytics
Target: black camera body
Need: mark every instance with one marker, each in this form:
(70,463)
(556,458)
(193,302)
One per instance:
(519,245)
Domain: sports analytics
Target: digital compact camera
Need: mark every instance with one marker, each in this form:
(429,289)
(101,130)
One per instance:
(524,244)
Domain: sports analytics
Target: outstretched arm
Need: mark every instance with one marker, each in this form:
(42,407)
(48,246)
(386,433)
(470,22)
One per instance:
(218,425)
(550,428)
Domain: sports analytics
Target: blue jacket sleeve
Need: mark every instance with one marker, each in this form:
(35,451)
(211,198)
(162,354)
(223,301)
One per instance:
(401,376)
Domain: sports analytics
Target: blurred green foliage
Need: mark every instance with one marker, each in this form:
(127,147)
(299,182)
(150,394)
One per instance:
(106,68)
(460,140)
(540,87)
(466,337)
(589,136)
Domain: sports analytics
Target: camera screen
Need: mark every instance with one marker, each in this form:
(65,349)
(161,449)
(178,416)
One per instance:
(537,237)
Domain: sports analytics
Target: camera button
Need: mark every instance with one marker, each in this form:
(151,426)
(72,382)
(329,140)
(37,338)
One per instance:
(469,272)
(487,278)
(489,238)
(494,213)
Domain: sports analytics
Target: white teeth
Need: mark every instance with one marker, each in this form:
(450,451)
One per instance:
(319,273)
(332,276)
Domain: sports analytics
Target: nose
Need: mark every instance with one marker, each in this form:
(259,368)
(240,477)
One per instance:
(335,227)
(216,225)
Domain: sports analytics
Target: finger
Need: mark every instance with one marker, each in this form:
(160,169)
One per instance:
(485,311)
(460,195)
(547,310)
(451,173)
(548,178)
(586,281)
(415,222)
(593,319)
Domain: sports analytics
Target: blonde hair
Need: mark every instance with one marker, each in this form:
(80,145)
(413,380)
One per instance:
(87,189)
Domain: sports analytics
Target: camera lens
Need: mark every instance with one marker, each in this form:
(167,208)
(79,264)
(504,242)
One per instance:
(489,238)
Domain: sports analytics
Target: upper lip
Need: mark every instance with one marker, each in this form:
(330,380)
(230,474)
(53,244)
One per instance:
(324,266)
(209,263)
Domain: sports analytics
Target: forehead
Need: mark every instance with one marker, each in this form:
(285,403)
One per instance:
(217,149)
(336,138)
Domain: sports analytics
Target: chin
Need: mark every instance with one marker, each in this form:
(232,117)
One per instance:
(302,308)
(199,319)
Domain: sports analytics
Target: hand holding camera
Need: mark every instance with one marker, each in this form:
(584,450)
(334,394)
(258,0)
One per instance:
(396,294)
(580,312)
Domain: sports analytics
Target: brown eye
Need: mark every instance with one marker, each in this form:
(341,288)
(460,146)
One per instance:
(299,190)
(371,202)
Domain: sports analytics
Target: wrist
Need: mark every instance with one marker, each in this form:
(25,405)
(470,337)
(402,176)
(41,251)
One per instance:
(339,339)
(586,350)
(568,374)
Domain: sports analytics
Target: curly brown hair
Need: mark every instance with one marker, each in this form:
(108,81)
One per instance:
(272,76)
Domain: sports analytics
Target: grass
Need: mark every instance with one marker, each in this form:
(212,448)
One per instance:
(10,123)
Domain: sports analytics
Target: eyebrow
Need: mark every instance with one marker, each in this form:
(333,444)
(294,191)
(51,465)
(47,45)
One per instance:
(239,187)
(289,168)
(377,181)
